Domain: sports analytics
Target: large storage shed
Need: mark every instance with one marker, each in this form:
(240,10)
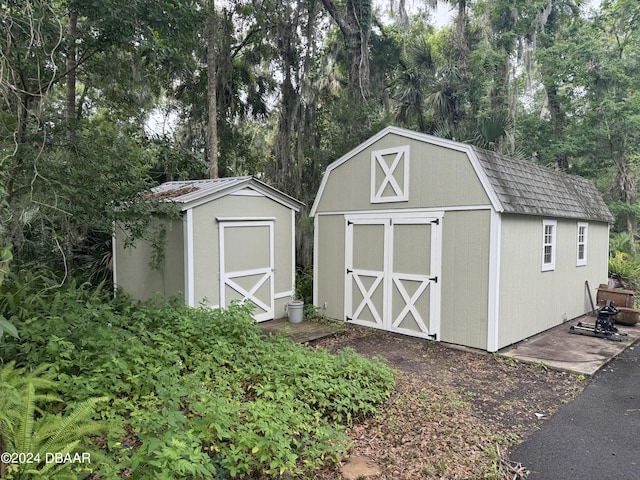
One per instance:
(235,240)
(439,239)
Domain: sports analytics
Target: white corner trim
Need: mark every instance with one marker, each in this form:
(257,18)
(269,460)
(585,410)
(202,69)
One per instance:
(293,252)
(114,267)
(493,310)
(189,262)
(316,247)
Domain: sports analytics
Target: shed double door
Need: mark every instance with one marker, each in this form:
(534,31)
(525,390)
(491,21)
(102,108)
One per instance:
(393,273)
(247,265)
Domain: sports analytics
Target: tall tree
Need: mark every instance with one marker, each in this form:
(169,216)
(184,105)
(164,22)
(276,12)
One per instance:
(355,18)
(212,99)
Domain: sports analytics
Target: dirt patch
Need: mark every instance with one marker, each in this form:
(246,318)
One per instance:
(454,412)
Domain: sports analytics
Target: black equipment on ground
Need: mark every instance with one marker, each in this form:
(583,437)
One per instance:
(604,326)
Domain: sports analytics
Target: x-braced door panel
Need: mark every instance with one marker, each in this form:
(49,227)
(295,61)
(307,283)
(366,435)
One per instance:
(365,273)
(393,268)
(246,266)
(413,276)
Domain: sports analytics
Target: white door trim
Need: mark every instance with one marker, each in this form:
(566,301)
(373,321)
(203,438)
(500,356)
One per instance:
(389,278)
(228,278)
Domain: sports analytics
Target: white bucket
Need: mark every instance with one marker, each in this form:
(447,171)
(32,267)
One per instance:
(295,311)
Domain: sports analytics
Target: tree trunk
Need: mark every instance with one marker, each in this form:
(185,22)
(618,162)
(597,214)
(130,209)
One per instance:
(70,84)
(355,25)
(212,131)
(557,121)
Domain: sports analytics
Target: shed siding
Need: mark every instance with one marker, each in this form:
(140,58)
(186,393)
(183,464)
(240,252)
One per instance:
(135,274)
(206,245)
(465,277)
(438,177)
(532,300)
(330,271)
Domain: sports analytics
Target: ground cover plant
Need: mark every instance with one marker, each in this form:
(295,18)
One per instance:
(185,392)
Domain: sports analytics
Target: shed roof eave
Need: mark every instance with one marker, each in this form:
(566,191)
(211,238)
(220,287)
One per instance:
(195,199)
(550,215)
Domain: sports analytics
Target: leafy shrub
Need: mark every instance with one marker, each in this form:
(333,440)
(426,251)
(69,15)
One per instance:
(304,285)
(201,393)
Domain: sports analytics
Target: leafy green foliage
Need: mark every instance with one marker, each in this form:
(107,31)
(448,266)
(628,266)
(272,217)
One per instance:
(200,393)
(37,434)
(5,257)
(625,267)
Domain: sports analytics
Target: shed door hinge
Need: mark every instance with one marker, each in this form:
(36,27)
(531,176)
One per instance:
(434,279)
(434,336)
(349,271)
(436,221)
(349,319)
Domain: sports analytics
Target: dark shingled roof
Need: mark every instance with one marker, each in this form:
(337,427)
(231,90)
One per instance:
(527,188)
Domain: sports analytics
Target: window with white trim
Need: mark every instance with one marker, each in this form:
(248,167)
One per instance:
(581,243)
(549,245)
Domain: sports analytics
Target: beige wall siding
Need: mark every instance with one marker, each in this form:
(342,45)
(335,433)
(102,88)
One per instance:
(438,177)
(532,300)
(465,277)
(206,244)
(135,274)
(173,268)
(330,270)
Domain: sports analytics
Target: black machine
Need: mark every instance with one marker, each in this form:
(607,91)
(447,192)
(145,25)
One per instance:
(604,326)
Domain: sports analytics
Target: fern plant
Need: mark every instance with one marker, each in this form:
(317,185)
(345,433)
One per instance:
(43,438)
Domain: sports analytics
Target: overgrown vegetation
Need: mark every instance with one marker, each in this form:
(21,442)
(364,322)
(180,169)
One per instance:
(624,261)
(194,393)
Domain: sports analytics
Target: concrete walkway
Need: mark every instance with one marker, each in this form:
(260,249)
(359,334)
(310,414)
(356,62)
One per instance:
(559,349)
(595,437)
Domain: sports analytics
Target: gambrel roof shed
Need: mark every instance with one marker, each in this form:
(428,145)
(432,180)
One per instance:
(445,240)
(234,241)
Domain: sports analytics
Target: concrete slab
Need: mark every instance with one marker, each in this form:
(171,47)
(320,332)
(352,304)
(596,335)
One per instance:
(557,348)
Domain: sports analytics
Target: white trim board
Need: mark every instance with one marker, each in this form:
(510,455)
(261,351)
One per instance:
(408,211)
(189,260)
(493,302)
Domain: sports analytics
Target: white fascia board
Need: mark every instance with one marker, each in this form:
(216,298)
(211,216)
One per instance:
(260,188)
(421,137)
(493,310)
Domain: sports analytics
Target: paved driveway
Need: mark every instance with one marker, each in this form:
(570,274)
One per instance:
(595,437)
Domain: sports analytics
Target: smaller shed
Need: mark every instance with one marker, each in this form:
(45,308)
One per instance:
(433,238)
(234,241)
